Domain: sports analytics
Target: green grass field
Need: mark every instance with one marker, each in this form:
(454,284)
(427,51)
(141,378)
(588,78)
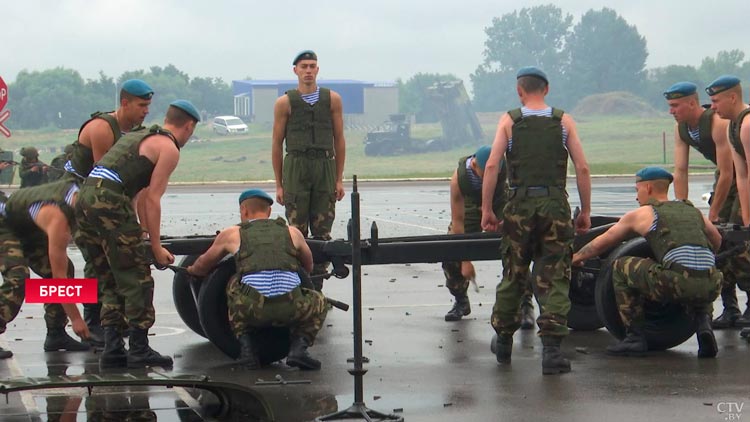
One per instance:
(613,145)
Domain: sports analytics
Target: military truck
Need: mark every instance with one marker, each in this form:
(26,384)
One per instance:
(459,124)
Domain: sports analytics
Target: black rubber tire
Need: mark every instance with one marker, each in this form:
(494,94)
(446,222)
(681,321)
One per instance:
(273,342)
(182,295)
(667,325)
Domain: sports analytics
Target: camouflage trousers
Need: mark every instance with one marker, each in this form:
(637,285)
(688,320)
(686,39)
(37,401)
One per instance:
(730,210)
(638,279)
(538,230)
(302,310)
(16,256)
(310,197)
(110,240)
(458,285)
(736,270)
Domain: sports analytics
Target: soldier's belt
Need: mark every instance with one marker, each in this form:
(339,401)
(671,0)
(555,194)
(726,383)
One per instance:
(534,191)
(104,183)
(312,153)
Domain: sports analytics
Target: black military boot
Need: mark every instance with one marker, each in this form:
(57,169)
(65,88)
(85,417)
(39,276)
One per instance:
(91,313)
(461,308)
(553,361)
(503,348)
(731,309)
(299,357)
(141,354)
(248,352)
(527,316)
(114,354)
(707,347)
(744,320)
(5,354)
(58,339)
(634,344)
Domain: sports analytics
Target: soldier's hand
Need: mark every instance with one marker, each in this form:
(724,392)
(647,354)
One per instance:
(81,329)
(467,270)
(163,256)
(339,190)
(280,195)
(489,222)
(583,223)
(34,169)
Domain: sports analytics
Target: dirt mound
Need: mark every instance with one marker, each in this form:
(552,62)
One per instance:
(614,103)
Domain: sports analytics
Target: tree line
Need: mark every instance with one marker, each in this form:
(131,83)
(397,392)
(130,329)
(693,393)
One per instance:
(61,98)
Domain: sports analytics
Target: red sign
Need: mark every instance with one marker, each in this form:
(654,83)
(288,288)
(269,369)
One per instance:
(3,93)
(61,290)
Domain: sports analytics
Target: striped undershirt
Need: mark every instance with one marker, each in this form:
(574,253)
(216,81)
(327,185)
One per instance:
(689,256)
(695,133)
(311,98)
(2,209)
(272,283)
(37,206)
(105,173)
(545,112)
(474,180)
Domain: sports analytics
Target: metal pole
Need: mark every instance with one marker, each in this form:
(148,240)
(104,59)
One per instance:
(358,371)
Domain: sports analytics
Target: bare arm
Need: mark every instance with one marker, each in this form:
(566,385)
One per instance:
(54,223)
(681,161)
(457,206)
(743,188)
(339,143)
(714,237)
(304,254)
(724,164)
(636,221)
(491,170)
(226,242)
(165,156)
(98,136)
(583,175)
(281,110)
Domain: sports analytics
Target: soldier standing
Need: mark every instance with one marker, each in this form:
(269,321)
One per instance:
(536,223)
(309,179)
(266,291)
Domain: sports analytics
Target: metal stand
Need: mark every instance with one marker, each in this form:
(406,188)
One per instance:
(358,410)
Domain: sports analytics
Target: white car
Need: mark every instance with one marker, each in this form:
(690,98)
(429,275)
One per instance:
(225,125)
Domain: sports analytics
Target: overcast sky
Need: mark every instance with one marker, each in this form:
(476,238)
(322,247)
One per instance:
(373,40)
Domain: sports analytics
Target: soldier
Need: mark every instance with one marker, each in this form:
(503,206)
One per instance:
(726,100)
(309,180)
(466,217)
(536,223)
(706,131)
(56,168)
(109,228)
(266,291)
(95,137)
(33,172)
(35,229)
(683,241)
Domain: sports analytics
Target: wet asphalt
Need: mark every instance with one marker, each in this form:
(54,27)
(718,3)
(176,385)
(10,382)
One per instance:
(420,367)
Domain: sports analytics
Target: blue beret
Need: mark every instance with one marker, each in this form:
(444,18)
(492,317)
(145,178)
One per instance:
(532,71)
(256,193)
(722,83)
(138,88)
(679,90)
(188,108)
(481,156)
(305,55)
(653,173)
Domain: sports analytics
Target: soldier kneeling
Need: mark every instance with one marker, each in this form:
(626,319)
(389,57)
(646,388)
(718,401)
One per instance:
(266,291)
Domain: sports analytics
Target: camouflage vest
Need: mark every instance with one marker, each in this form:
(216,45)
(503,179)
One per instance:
(734,132)
(705,144)
(17,206)
(309,126)
(679,223)
(82,157)
(134,169)
(537,156)
(473,197)
(265,245)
